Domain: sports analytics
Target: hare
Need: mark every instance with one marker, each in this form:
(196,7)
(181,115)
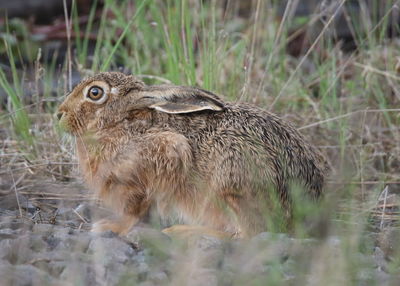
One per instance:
(212,164)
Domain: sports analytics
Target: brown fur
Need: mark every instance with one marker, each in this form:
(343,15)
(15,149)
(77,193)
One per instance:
(183,149)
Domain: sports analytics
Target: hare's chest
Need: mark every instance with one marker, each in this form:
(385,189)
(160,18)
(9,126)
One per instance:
(94,170)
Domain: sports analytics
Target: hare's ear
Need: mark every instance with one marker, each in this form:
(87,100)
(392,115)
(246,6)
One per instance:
(178,100)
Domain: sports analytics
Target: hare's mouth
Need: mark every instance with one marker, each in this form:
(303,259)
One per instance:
(69,123)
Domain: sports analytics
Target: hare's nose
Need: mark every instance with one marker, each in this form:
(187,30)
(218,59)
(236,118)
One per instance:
(60,115)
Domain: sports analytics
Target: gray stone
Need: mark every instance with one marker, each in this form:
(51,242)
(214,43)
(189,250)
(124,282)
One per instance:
(16,224)
(16,251)
(156,243)
(107,234)
(41,228)
(47,263)
(73,243)
(334,241)
(55,268)
(269,236)
(158,277)
(83,274)
(139,257)
(145,283)
(111,250)
(24,275)
(52,241)
(55,254)
(8,233)
(142,268)
(10,202)
(62,231)
(382,278)
(5,248)
(208,243)
(379,259)
(197,277)
(37,244)
(388,241)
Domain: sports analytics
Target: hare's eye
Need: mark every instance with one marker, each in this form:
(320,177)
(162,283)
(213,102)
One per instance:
(95,93)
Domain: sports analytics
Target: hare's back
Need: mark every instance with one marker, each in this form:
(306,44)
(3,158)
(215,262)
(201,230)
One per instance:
(258,125)
(256,146)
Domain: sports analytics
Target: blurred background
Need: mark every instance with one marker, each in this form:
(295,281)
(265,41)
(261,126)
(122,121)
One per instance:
(332,68)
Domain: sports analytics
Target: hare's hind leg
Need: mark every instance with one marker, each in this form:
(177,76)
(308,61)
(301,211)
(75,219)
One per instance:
(189,231)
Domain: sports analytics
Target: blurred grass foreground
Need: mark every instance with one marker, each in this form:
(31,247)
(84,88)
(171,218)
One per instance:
(332,68)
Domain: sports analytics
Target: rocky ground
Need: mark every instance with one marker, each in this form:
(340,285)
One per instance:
(51,245)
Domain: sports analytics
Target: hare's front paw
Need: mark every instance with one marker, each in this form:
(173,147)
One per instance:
(119,226)
(104,225)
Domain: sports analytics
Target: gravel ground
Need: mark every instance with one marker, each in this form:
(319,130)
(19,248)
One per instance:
(52,245)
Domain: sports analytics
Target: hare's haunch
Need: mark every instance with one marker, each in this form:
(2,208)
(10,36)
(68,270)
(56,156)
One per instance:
(187,152)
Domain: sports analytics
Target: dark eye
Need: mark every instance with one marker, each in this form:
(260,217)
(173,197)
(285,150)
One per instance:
(95,93)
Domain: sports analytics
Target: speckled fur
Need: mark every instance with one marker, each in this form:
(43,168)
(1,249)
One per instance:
(215,167)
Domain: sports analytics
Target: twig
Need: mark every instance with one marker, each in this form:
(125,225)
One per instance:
(365,183)
(347,61)
(348,115)
(289,7)
(392,205)
(58,198)
(377,71)
(278,34)
(164,80)
(31,105)
(37,165)
(385,193)
(252,52)
(33,261)
(128,28)
(68,30)
(307,54)
(82,218)
(16,192)
(53,194)
(361,153)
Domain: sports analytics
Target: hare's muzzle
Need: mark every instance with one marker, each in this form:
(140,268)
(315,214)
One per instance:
(62,120)
(60,115)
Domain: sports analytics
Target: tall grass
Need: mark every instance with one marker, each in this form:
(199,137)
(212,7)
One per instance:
(346,103)
(19,117)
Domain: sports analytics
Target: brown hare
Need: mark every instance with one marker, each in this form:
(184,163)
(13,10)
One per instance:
(213,164)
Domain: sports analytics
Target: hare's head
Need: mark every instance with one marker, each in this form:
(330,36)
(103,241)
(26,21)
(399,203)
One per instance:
(94,99)
(108,98)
